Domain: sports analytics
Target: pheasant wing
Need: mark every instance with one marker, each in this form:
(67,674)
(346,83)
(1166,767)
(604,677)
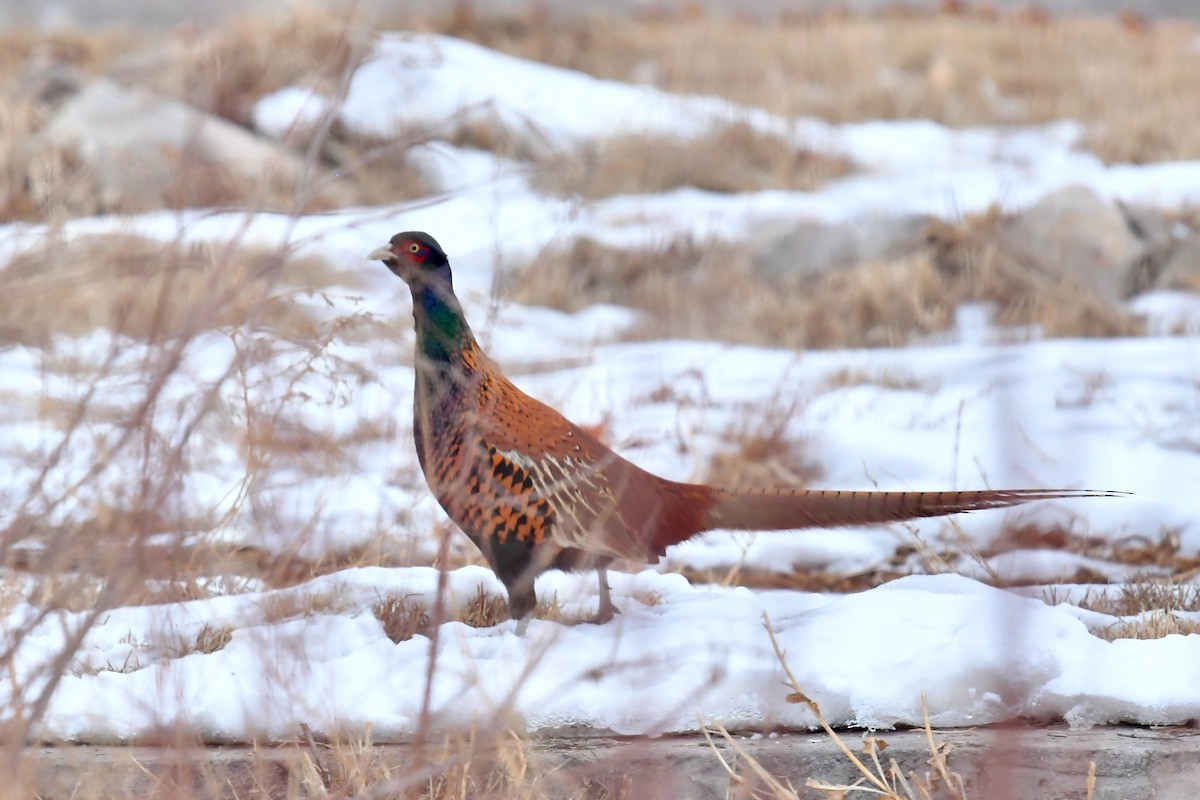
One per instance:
(563,484)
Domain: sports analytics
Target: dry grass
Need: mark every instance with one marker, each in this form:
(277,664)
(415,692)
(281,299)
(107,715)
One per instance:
(492,763)
(127,541)
(955,68)
(935,780)
(484,610)
(150,290)
(1032,537)
(1150,625)
(209,640)
(1163,552)
(1148,608)
(404,618)
(52,183)
(1138,597)
(87,51)
(879,304)
(876,304)
(70,565)
(497,764)
(736,158)
(1160,602)
(1136,100)
(401,617)
(891,378)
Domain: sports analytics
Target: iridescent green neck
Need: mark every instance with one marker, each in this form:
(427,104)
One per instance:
(442,330)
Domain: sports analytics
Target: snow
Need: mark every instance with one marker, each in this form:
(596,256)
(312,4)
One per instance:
(1106,414)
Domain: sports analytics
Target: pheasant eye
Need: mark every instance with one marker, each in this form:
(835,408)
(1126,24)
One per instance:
(414,248)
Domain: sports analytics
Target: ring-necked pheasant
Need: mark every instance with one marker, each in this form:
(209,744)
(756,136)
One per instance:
(535,492)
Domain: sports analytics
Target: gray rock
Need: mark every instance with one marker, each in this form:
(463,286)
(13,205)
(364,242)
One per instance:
(1004,761)
(1181,271)
(808,248)
(1073,234)
(1152,227)
(48,84)
(147,152)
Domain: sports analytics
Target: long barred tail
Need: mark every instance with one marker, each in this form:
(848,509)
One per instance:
(785,509)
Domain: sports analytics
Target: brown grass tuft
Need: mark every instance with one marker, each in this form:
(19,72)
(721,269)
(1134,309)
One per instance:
(877,304)
(484,610)
(401,617)
(736,158)
(1144,596)
(886,378)
(1150,625)
(211,639)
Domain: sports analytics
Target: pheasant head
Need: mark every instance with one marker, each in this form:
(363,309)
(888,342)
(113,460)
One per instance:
(417,258)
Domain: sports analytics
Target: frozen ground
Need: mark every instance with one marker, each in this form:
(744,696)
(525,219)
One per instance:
(1106,414)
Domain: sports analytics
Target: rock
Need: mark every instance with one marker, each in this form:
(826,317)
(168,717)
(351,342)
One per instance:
(1073,234)
(808,247)
(1152,227)
(145,152)
(1182,268)
(49,84)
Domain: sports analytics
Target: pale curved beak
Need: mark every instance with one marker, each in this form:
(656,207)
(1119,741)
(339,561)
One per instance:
(381,254)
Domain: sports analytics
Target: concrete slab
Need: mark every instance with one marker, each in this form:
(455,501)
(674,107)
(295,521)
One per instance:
(996,763)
